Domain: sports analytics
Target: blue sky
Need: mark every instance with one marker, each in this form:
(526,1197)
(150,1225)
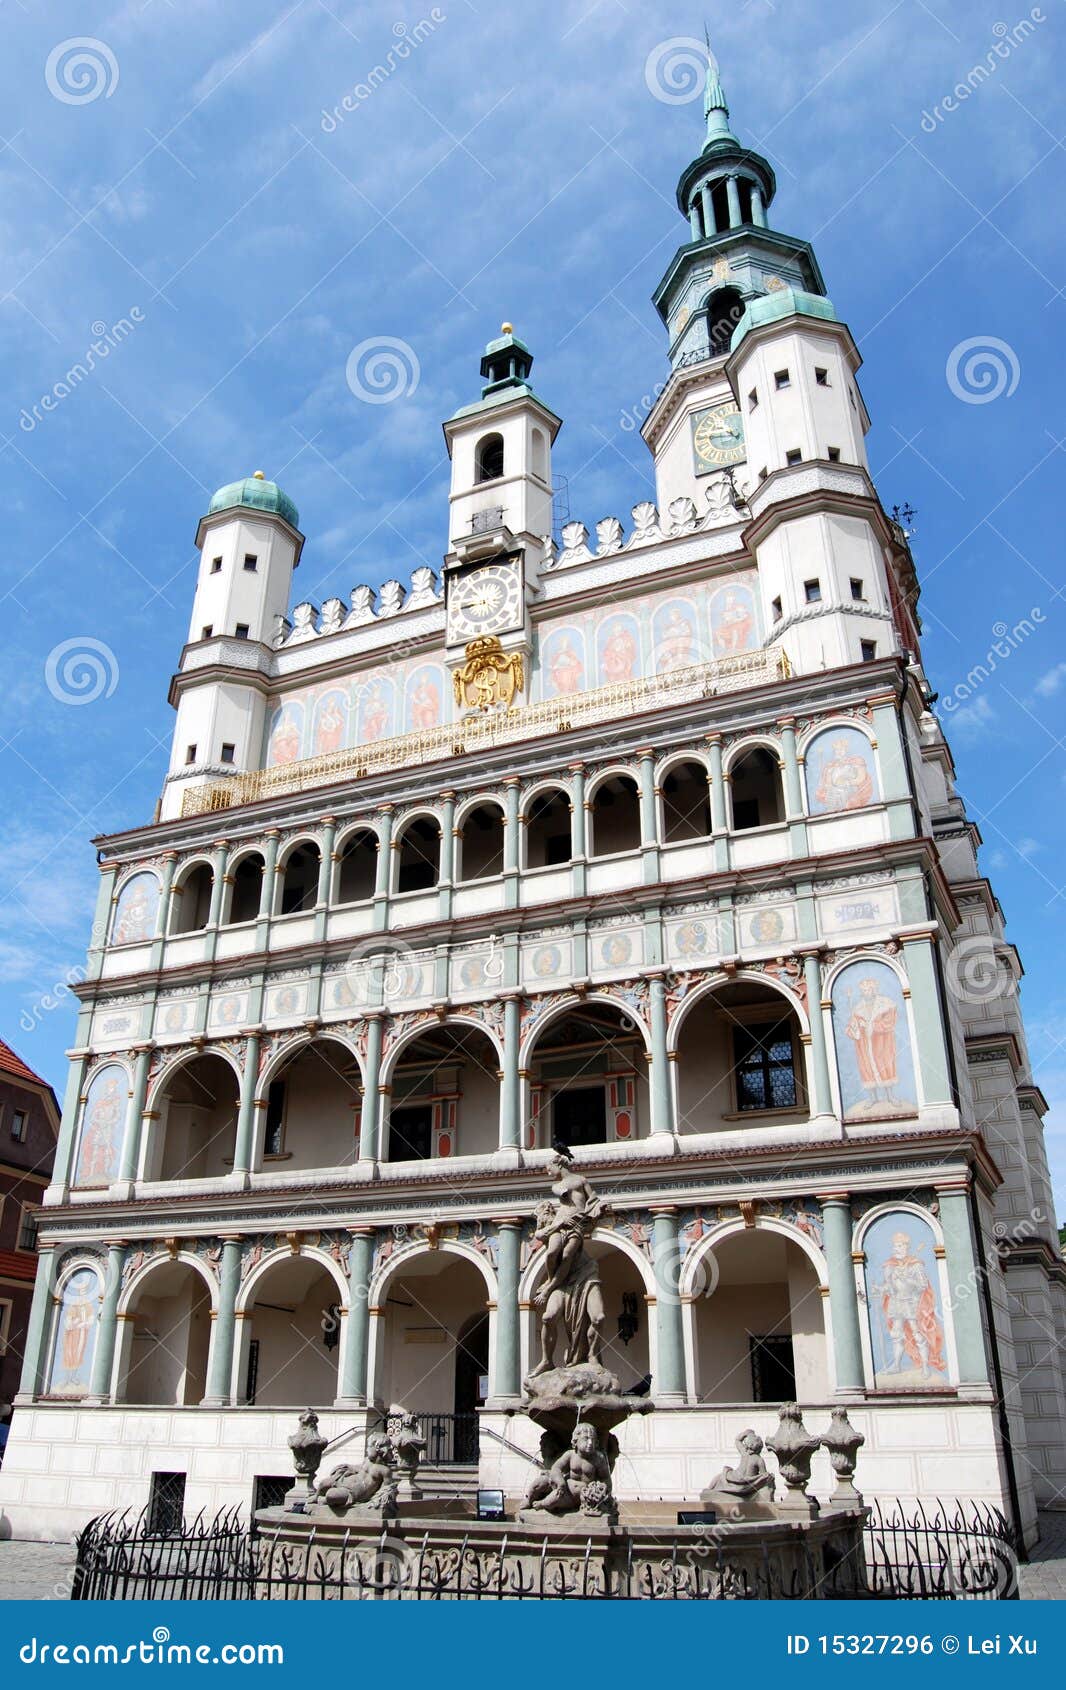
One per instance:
(512,163)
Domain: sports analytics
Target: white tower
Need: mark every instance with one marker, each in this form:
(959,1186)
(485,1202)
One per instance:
(249,544)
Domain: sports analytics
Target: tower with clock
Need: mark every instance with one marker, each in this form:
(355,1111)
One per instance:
(500,504)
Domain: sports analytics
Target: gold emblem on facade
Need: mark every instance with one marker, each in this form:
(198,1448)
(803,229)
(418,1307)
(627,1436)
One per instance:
(490,676)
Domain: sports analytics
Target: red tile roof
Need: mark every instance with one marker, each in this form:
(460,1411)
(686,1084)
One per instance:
(17,1264)
(12,1064)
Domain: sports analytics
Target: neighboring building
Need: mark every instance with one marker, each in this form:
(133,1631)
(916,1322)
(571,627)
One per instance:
(647,841)
(29,1126)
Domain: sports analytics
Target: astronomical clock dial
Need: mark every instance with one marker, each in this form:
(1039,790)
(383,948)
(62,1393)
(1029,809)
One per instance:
(487,601)
(717,438)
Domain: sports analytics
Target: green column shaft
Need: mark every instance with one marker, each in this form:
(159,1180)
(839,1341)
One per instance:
(511,834)
(511,1085)
(270,869)
(661,1110)
(508,1347)
(218,885)
(357,1345)
(447,859)
(843,1302)
(244,1144)
(63,1172)
(325,867)
(162,914)
(368,1121)
(220,1369)
(719,808)
(823,1093)
(107,1327)
(578,830)
(649,834)
(963,1286)
(666,1263)
(929,1031)
(34,1357)
(383,880)
(732,194)
(131,1144)
(101,928)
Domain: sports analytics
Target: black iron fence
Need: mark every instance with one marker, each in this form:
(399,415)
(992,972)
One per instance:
(941,1555)
(451,1439)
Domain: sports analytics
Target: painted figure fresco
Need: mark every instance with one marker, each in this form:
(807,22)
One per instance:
(874,1058)
(840,772)
(136,909)
(376,710)
(734,624)
(330,724)
(423,694)
(75,1339)
(286,734)
(563,663)
(674,636)
(102,1124)
(618,649)
(903,1302)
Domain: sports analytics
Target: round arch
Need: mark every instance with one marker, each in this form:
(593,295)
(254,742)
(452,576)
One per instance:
(600,1235)
(144,1274)
(831,724)
(350,830)
(281,1058)
(893,962)
(420,812)
(421,1028)
(753,742)
(295,843)
(481,800)
(573,1001)
(895,1207)
(613,771)
(246,1296)
(714,983)
(395,1264)
(181,1060)
(672,758)
(539,788)
(688,1283)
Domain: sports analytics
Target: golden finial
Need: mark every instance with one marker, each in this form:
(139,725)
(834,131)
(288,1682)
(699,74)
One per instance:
(259,476)
(507,328)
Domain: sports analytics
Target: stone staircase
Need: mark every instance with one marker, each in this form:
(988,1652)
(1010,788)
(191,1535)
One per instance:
(448,1482)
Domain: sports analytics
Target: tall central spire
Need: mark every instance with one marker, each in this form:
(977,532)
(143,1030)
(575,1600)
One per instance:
(715,109)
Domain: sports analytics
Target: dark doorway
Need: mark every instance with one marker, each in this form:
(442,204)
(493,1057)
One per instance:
(411,1133)
(579,1115)
(471,1384)
(773,1368)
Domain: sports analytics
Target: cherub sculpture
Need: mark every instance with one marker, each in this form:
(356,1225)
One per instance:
(579,1479)
(373,1482)
(751,1474)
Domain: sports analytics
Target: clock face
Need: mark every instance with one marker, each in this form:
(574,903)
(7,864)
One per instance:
(717,438)
(484,602)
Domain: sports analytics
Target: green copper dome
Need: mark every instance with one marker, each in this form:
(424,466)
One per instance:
(257,494)
(782,302)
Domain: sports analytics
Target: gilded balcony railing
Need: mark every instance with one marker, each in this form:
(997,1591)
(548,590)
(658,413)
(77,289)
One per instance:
(485,731)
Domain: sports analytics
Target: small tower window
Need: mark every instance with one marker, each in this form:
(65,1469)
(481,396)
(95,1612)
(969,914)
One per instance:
(251,562)
(821,377)
(207,630)
(18,1125)
(190,753)
(216,566)
(540,454)
(775,606)
(763,473)
(782,379)
(720,205)
(753,399)
(812,592)
(868,648)
(724,311)
(241,630)
(488,464)
(744,191)
(794,456)
(229,752)
(856,588)
(833,454)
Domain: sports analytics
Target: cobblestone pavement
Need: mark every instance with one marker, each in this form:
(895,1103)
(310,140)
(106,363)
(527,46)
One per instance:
(41,1572)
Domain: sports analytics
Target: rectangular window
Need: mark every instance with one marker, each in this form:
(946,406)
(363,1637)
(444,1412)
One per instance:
(773,1368)
(270,1490)
(216,566)
(764,1064)
(762,475)
(5,1324)
(794,456)
(241,630)
(812,592)
(782,379)
(821,377)
(579,1115)
(411,1133)
(856,588)
(190,753)
(833,454)
(251,562)
(27,1238)
(753,399)
(275,1121)
(18,1125)
(775,606)
(166,1503)
(868,648)
(207,630)
(229,752)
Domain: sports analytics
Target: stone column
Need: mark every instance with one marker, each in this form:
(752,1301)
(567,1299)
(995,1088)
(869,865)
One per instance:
(220,1363)
(797,826)
(964,1287)
(758,210)
(649,835)
(244,1143)
(383,881)
(218,882)
(694,221)
(719,810)
(34,1351)
(447,854)
(709,222)
(511,1083)
(930,1034)
(662,1114)
(511,834)
(369,1120)
(162,914)
(843,1302)
(732,194)
(666,1259)
(325,875)
(507,1383)
(578,831)
(107,1326)
(266,893)
(101,928)
(131,1144)
(357,1336)
(822,1100)
(63,1170)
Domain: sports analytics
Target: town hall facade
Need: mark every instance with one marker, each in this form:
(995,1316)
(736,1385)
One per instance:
(643,839)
